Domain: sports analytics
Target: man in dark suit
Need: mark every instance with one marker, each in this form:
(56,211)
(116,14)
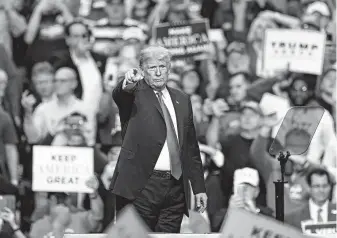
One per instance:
(160,151)
(318,209)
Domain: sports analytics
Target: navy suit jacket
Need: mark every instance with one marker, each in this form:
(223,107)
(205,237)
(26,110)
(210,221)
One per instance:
(144,134)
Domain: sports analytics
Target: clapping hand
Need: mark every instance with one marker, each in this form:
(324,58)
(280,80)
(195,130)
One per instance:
(237,201)
(219,107)
(28,101)
(107,174)
(8,216)
(59,128)
(92,183)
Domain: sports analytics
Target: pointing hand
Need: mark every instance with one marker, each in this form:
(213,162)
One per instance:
(133,75)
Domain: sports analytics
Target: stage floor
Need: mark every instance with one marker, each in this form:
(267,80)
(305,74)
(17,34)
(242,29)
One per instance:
(152,235)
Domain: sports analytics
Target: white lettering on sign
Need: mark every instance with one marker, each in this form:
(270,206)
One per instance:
(65,158)
(187,30)
(293,48)
(259,232)
(196,48)
(325,231)
(177,41)
(178,51)
(296,50)
(64,168)
(61,180)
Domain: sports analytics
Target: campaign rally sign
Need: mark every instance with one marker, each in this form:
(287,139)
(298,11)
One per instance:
(255,226)
(185,39)
(303,51)
(129,225)
(321,229)
(62,169)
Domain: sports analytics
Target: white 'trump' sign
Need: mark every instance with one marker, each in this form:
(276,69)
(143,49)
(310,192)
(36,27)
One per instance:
(302,50)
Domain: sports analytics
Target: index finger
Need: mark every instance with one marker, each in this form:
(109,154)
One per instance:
(203,207)
(25,93)
(129,76)
(204,204)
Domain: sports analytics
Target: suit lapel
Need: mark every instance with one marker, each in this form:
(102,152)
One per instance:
(306,213)
(179,114)
(178,107)
(151,96)
(332,212)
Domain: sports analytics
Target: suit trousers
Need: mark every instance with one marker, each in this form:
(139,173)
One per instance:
(161,203)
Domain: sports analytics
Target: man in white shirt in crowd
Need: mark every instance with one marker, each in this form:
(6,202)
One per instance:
(79,42)
(318,209)
(43,84)
(88,66)
(48,117)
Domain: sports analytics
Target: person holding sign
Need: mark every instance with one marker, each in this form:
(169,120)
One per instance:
(246,190)
(160,151)
(318,209)
(62,219)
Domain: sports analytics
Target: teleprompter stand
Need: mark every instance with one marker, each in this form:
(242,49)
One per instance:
(279,187)
(293,136)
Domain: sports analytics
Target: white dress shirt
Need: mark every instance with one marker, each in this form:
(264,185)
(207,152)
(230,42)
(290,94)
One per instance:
(313,209)
(163,162)
(91,81)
